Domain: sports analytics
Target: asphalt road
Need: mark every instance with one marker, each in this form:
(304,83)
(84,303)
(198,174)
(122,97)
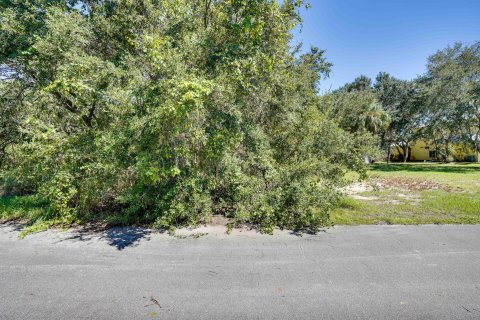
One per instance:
(377,272)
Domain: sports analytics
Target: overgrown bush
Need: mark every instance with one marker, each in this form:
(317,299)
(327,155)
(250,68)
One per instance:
(169,111)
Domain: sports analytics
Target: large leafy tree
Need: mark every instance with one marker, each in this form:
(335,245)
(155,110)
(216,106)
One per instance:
(10,117)
(451,96)
(356,109)
(167,111)
(360,83)
(399,99)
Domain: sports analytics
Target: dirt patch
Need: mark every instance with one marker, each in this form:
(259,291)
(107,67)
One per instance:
(359,197)
(396,183)
(356,188)
(219,220)
(404,190)
(411,184)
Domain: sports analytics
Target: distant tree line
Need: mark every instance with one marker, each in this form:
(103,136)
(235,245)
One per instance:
(441,106)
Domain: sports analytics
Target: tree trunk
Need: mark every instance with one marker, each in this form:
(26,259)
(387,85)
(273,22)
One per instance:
(447,151)
(405,153)
(400,152)
(389,153)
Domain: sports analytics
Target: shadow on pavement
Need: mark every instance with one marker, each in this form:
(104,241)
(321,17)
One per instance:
(13,225)
(118,237)
(122,238)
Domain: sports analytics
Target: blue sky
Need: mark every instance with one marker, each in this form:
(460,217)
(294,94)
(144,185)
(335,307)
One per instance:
(397,36)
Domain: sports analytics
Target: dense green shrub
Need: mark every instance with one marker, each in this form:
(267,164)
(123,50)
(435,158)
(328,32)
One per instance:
(169,111)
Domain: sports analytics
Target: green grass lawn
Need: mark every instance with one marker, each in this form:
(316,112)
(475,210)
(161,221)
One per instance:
(22,207)
(31,210)
(414,193)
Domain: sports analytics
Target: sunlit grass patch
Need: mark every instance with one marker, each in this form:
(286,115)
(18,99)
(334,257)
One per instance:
(416,194)
(28,208)
(31,210)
